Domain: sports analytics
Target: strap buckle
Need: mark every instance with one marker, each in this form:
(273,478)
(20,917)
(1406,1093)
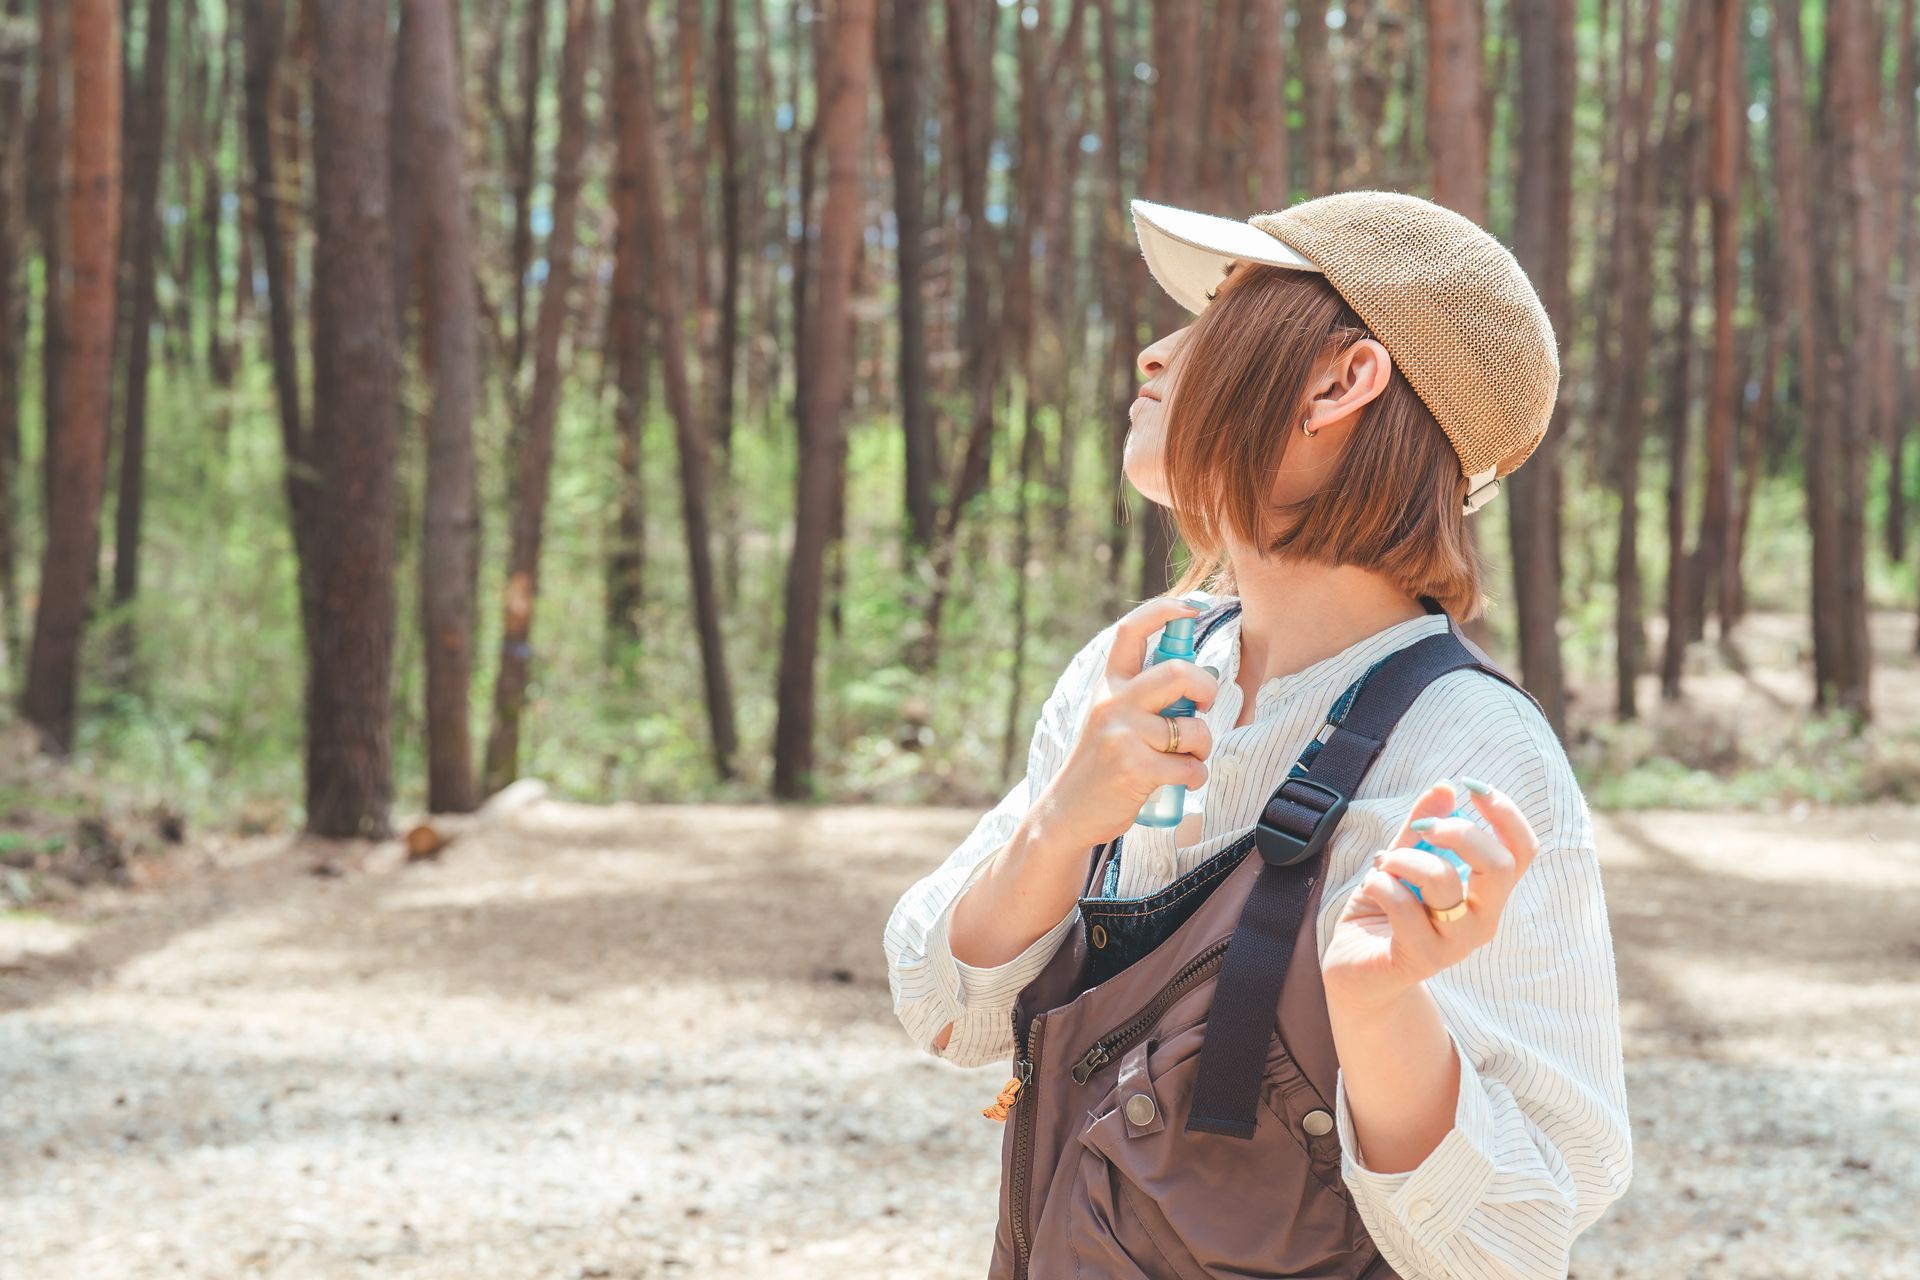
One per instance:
(1482,486)
(1283,848)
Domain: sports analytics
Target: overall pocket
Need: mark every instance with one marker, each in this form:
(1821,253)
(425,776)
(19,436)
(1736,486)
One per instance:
(1150,1200)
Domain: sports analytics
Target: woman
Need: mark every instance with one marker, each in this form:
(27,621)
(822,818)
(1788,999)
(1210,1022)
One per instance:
(1365,367)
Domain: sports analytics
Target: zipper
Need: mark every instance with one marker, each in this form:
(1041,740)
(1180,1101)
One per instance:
(1195,971)
(1023,1143)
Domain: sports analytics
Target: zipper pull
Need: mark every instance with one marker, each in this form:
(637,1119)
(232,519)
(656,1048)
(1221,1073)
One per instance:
(1008,1092)
(1096,1058)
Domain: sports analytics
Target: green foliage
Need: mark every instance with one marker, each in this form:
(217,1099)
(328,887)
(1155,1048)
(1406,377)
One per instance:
(1825,760)
(209,717)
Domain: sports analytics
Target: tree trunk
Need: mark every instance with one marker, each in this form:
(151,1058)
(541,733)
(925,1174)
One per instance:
(533,39)
(1371,64)
(239,48)
(1787,124)
(213,191)
(804,257)
(1066,352)
(1022,549)
(533,460)
(1457,144)
(768,229)
(1220,176)
(1316,95)
(1121,279)
(1719,572)
(1899,332)
(13,317)
(78,451)
(1455,79)
(142,210)
(450,327)
(1272,181)
(658,230)
(690,169)
(1637,205)
(1683,599)
(49,191)
(182,245)
(1173,152)
(1756,427)
(1543,169)
(405,211)
(843,107)
(1757,424)
(356,374)
(626,563)
(725,122)
(902,68)
(1681,150)
(1851,295)
(1613,83)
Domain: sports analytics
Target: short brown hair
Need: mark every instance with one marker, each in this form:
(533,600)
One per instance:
(1393,502)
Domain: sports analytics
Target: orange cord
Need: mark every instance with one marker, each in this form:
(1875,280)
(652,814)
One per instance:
(1001,1104)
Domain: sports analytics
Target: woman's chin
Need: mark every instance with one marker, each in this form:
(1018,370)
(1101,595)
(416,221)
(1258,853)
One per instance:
(1152,491)
(1145,477)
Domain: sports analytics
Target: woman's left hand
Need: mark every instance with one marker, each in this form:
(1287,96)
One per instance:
(1385,942)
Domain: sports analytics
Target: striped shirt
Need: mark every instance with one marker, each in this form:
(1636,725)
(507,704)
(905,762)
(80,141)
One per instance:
(1541,1143)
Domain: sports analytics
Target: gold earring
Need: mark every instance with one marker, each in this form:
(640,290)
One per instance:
(1306,430)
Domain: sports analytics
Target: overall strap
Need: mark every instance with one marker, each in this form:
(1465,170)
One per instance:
(1292,836)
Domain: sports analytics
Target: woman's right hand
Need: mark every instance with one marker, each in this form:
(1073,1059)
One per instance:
(1119,758)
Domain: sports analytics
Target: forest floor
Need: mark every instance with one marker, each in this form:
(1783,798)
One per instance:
(658,1041)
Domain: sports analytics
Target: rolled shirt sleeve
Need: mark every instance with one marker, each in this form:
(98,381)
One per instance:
(1541,1142)
(931,986)
(982,1016)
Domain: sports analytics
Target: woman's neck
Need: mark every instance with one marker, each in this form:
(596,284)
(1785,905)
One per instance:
(1295,613)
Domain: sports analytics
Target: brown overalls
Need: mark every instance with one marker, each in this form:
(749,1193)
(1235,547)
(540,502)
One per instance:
(1101,1174)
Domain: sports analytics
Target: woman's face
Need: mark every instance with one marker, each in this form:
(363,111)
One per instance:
(1340,387)
(1143,457)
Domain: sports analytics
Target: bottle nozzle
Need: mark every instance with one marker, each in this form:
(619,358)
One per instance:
(1177,640)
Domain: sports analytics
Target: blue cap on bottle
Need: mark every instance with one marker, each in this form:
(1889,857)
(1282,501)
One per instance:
(1176,641)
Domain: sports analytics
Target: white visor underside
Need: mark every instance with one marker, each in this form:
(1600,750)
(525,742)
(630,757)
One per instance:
(1189,253)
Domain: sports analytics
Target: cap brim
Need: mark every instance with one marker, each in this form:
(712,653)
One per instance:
(1188,253)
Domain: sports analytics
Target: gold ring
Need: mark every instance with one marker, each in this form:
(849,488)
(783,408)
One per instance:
(1454,912)
(1173,733)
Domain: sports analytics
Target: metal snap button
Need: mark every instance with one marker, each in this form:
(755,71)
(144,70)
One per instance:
(1099,936)
(1140,1109)
(1317,1123)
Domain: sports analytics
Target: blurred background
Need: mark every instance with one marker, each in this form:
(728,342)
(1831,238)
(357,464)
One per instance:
(459,462)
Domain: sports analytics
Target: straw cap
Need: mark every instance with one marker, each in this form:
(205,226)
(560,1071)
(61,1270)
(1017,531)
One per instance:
(1451,305)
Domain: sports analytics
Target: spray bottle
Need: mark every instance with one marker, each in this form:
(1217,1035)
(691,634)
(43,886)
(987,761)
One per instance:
(1459,863)
(1168,802)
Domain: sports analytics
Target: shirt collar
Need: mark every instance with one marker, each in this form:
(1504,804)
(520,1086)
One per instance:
(1328,677)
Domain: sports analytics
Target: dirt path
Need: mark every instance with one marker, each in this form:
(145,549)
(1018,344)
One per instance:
(612,1042)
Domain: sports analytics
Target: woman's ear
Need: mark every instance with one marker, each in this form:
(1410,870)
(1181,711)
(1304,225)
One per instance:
(1347,383)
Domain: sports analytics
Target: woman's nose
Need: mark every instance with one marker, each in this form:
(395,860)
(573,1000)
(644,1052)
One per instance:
(1153,357)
